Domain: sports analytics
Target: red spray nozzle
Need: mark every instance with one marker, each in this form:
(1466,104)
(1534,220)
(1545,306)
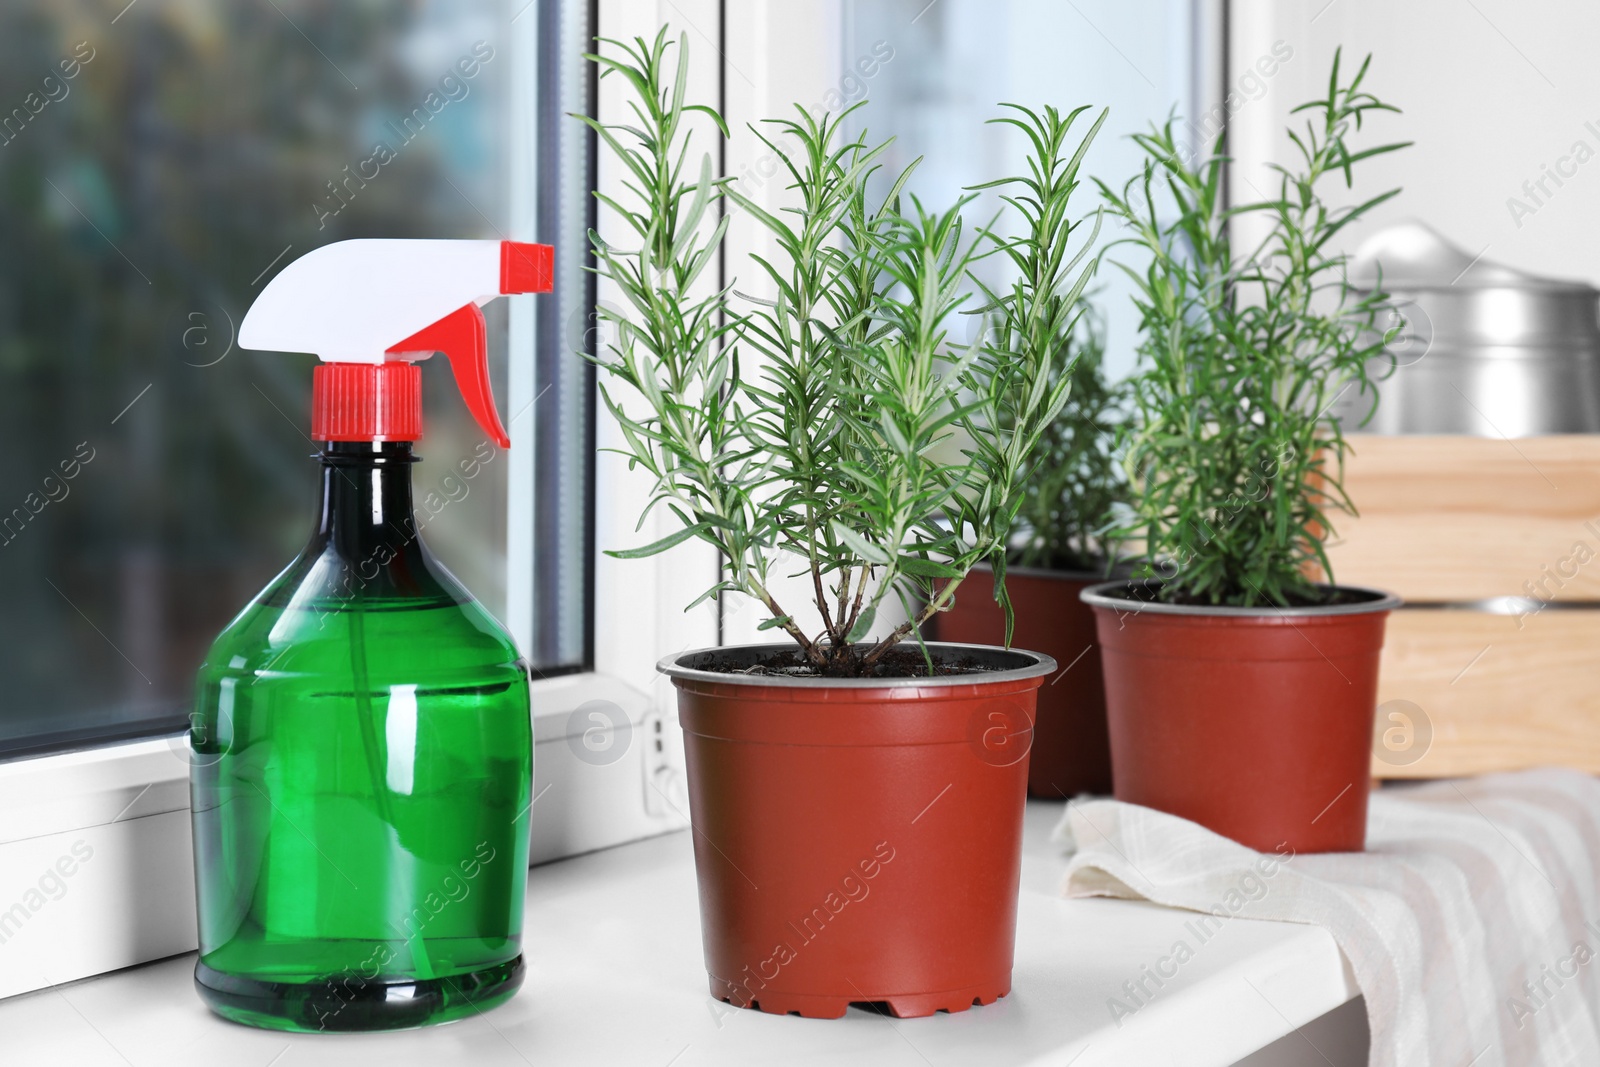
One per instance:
(526,268)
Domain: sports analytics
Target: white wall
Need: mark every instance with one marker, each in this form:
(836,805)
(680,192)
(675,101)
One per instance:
(1496,93)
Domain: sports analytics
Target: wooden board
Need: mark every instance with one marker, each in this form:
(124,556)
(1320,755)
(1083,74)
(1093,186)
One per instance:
(1496,692)
(1453,519)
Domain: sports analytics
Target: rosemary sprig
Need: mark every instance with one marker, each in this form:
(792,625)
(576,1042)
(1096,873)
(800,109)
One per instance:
(831,448)
(1235,461)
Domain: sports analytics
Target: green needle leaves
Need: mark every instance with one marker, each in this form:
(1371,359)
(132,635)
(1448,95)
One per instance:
(836,428)
(1235,462)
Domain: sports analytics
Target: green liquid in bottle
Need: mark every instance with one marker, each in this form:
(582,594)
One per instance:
(362,765)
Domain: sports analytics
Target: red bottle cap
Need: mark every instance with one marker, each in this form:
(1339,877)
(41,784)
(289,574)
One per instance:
(366,402)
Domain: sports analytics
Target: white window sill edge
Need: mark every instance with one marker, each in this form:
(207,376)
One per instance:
(615,976)
(96,860)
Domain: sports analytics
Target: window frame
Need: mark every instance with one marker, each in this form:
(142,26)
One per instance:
(126,803)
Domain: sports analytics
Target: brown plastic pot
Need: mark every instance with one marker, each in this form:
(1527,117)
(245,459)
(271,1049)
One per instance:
(1253,722)
(857,839)
(1071,751)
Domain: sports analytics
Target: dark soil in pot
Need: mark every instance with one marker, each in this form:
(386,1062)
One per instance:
(899,662)
(1071,751)
(857,840)
(1254,722)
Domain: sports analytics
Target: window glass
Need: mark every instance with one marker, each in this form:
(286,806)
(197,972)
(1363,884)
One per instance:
(936,72)
(157,167)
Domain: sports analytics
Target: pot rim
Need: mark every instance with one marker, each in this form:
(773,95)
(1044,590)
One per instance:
(1039,666)
(1096,596)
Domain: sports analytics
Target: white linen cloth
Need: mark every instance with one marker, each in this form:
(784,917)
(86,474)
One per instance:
(1472,921)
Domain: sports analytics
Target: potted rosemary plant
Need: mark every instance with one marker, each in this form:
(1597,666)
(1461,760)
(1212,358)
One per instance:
(857,801)
(1058,549)
(1240,691)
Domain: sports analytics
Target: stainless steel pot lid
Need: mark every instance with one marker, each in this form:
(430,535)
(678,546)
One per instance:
(1482,348)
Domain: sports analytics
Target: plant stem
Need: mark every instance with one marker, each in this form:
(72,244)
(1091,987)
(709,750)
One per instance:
(861,596)
(834,637)
(936,605)
(788,626)
(845,622)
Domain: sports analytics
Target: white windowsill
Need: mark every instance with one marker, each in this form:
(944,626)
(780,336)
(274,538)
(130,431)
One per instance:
(96,868)
(614,977)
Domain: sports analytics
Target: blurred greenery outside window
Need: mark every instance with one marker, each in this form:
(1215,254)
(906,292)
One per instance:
(159,161)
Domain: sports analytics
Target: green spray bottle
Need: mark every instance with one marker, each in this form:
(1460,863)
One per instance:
(361,745)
